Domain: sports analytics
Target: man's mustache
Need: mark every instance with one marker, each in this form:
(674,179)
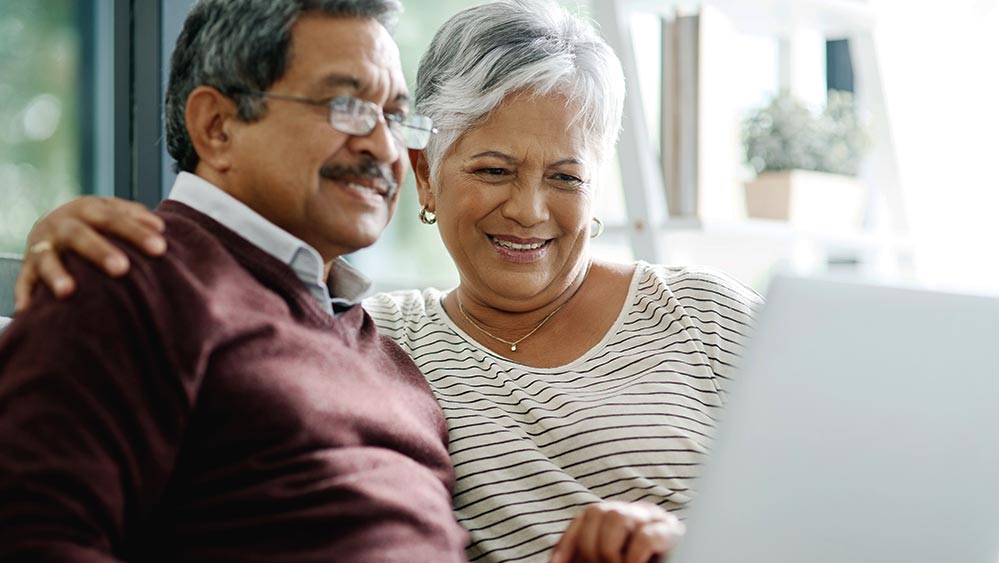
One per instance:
(371,170)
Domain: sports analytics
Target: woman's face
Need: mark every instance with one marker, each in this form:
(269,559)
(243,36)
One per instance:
(512,199)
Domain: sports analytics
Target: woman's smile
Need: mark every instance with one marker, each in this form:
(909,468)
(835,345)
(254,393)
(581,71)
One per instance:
(520,250)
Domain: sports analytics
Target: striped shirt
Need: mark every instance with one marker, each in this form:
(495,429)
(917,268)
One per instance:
(629,420)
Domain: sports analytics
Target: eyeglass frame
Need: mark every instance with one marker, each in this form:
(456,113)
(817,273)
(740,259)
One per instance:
(370,109)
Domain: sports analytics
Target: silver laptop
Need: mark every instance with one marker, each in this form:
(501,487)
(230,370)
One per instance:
(864,427)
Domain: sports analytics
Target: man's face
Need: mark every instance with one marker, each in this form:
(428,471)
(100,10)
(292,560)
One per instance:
(334,191)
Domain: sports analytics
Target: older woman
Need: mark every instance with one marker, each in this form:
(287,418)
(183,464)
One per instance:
(566,381)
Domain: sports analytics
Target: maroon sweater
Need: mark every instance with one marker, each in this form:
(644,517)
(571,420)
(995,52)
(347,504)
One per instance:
(206,408)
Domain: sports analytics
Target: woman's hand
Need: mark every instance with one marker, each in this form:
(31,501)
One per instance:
(618,532)
(74,226)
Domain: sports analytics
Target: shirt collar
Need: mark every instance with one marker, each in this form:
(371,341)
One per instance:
(346,285)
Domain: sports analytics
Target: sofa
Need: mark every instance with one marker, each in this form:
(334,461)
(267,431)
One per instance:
(10,265)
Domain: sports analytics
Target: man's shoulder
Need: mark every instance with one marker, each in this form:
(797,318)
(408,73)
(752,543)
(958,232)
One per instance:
(191,239)
(195,266)
(190,251)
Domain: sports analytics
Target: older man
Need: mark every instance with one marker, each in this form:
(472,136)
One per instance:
(231,401)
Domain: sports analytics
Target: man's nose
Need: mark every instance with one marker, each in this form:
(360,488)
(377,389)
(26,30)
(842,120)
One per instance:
(381,145)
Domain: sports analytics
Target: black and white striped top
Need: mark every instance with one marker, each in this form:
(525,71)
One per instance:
(631,419)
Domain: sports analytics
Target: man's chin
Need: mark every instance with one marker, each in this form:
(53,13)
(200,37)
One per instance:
(358,240)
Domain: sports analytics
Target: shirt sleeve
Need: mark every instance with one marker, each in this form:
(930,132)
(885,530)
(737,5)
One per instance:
(90,420)
(721,311)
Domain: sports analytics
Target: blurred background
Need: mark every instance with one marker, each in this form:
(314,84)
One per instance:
(850,137)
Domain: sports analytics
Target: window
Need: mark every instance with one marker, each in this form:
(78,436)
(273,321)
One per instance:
(77,116)
(41,69)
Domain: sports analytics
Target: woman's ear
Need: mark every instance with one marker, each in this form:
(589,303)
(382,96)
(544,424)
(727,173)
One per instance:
(421,171)
(209,116)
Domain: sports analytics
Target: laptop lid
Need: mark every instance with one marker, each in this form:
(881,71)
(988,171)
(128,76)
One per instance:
(864,427)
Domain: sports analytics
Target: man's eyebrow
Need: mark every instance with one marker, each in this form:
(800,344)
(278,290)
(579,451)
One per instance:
(341,80)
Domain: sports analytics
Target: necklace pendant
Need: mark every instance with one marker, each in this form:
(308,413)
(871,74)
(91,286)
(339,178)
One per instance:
(513,348)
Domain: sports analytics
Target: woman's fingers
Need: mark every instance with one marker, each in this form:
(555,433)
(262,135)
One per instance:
(618,532)
(41,263)
(614,535)
(22,287)
(78,226)
(91,245)
(142,214)
(588,547)
(125,219)
(653,539)
(566,547)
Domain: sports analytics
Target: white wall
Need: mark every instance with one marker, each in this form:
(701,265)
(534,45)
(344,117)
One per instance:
(940,64)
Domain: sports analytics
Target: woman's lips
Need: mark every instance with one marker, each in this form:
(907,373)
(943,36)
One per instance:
(520,250)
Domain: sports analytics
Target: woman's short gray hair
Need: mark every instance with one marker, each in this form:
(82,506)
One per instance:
(240,46)
(484,53)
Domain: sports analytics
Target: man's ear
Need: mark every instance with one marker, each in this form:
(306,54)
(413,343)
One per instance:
(209,115)
(421,171)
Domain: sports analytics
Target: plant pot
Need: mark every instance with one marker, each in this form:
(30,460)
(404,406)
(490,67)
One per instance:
(813,200)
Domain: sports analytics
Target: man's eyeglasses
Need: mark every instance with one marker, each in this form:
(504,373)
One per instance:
(355,116)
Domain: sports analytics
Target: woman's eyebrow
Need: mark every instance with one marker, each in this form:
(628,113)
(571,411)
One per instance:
(575,161)
(508,158)
(495,154)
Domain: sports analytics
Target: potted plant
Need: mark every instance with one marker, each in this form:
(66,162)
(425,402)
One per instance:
(805,162)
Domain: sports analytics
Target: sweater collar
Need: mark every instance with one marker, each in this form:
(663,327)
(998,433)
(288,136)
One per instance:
(345,287)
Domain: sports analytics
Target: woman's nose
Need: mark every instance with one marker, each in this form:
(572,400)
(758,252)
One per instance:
(526,204)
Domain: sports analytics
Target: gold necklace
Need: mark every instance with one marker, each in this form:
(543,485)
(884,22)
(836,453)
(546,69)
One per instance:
(513,343)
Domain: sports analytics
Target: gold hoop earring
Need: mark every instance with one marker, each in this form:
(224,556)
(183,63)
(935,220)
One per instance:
(427,217)
(600,228)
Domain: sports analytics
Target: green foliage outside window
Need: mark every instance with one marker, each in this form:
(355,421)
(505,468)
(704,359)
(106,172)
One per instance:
(39,139)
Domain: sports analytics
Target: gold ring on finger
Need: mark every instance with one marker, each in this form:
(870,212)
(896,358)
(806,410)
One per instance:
(40,247)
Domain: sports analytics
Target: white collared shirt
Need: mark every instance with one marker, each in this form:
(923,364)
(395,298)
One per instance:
(346,286)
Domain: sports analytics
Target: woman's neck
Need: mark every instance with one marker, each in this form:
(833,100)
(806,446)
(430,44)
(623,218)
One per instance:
(551,334)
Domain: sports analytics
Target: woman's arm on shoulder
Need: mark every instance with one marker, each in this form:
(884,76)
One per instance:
(78,226)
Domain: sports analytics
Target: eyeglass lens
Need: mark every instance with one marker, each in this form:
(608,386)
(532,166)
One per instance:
(360,117)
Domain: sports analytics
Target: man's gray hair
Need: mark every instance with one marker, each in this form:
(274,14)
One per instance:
(240,46)
(484,53)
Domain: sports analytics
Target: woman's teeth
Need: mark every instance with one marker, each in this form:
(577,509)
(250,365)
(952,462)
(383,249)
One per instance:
(515,246)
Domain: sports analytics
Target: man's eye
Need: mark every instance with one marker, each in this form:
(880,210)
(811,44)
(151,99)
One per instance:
(396,116)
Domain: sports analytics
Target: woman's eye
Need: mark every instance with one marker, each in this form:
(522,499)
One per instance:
(567,179)
(491,171)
